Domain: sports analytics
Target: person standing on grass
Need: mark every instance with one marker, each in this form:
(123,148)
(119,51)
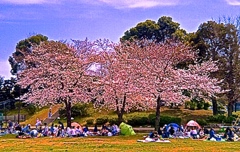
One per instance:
(50,112)
(38,123)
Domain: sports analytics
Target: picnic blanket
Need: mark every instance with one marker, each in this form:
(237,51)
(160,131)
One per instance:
(152,140)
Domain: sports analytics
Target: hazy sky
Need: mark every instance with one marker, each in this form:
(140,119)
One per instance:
(78,19)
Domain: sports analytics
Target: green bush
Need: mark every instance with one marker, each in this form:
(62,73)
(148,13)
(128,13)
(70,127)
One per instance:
(90,121)
(229,119)
(113,120)
(235,116)
(163,120)
(200,105)
(167,119)
(101,120)
(78,110)
(31,109)
(138,121)
(187,105)
(202,122)
(220,119)
(151,118)
(192,105)
(206,105)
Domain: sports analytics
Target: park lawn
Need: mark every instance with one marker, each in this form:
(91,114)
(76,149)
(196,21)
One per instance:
(119,143)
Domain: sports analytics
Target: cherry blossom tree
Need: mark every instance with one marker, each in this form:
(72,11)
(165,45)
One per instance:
(121,91)
(142,74)
(58,73)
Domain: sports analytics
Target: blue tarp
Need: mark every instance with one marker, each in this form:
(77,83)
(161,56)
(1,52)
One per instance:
(174,125)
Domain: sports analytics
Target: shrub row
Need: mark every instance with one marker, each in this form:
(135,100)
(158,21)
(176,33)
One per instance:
(135,120)
(221,119)
(193,105)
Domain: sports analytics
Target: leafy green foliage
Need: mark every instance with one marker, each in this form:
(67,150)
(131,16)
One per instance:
(101,120)
(90,121)
(164,29)
(206,105)
(23,48)
(78,110)
(31,109)
(220,119)
(163,120)
(138,121)
(192,105)
(202,122)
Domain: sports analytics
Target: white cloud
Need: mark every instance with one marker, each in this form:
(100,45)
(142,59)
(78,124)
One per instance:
(5,69)
(139,3)
(233,2)
(27,2)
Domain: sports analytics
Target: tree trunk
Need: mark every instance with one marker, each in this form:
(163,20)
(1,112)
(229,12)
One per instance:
(19,108)
(214,106)
(230,109)
(120,117)
(121,110)
(68,112)
(157,120)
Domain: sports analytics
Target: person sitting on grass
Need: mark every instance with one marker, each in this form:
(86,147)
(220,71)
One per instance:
(104,130)
(178,133)
(153,136)
(212,134)
(160,133)
(95,130)
(229,134)
(34,133)
(187,133)
(115,130)
(194,133)
(26,129)
(45,130)
(79,132)
(171,131)
(86,130)
(201,134)
(165,133)
(38,123)
(73,131)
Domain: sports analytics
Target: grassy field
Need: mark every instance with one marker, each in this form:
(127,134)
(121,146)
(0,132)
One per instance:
(119,143)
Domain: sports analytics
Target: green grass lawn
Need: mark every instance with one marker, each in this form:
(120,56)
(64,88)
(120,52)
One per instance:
(119,143)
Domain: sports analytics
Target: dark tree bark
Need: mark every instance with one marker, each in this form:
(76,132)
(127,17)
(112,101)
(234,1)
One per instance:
(230,109)
(214,106)
(121,110)
(68,112)
(157,120)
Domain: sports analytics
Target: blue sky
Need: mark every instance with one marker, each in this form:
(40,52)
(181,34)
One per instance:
(78,19)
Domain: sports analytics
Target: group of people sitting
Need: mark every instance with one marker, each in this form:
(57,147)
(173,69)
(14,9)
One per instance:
(181,132)
(191,132)
(61,131)
(228,135)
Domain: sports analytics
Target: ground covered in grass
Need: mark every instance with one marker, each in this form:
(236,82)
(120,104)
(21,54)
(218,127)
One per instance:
(119,143)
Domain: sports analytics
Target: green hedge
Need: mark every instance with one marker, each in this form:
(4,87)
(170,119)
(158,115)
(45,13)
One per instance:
(220,119)
(202,122)
(101,120)
(137,120)
(163,120)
